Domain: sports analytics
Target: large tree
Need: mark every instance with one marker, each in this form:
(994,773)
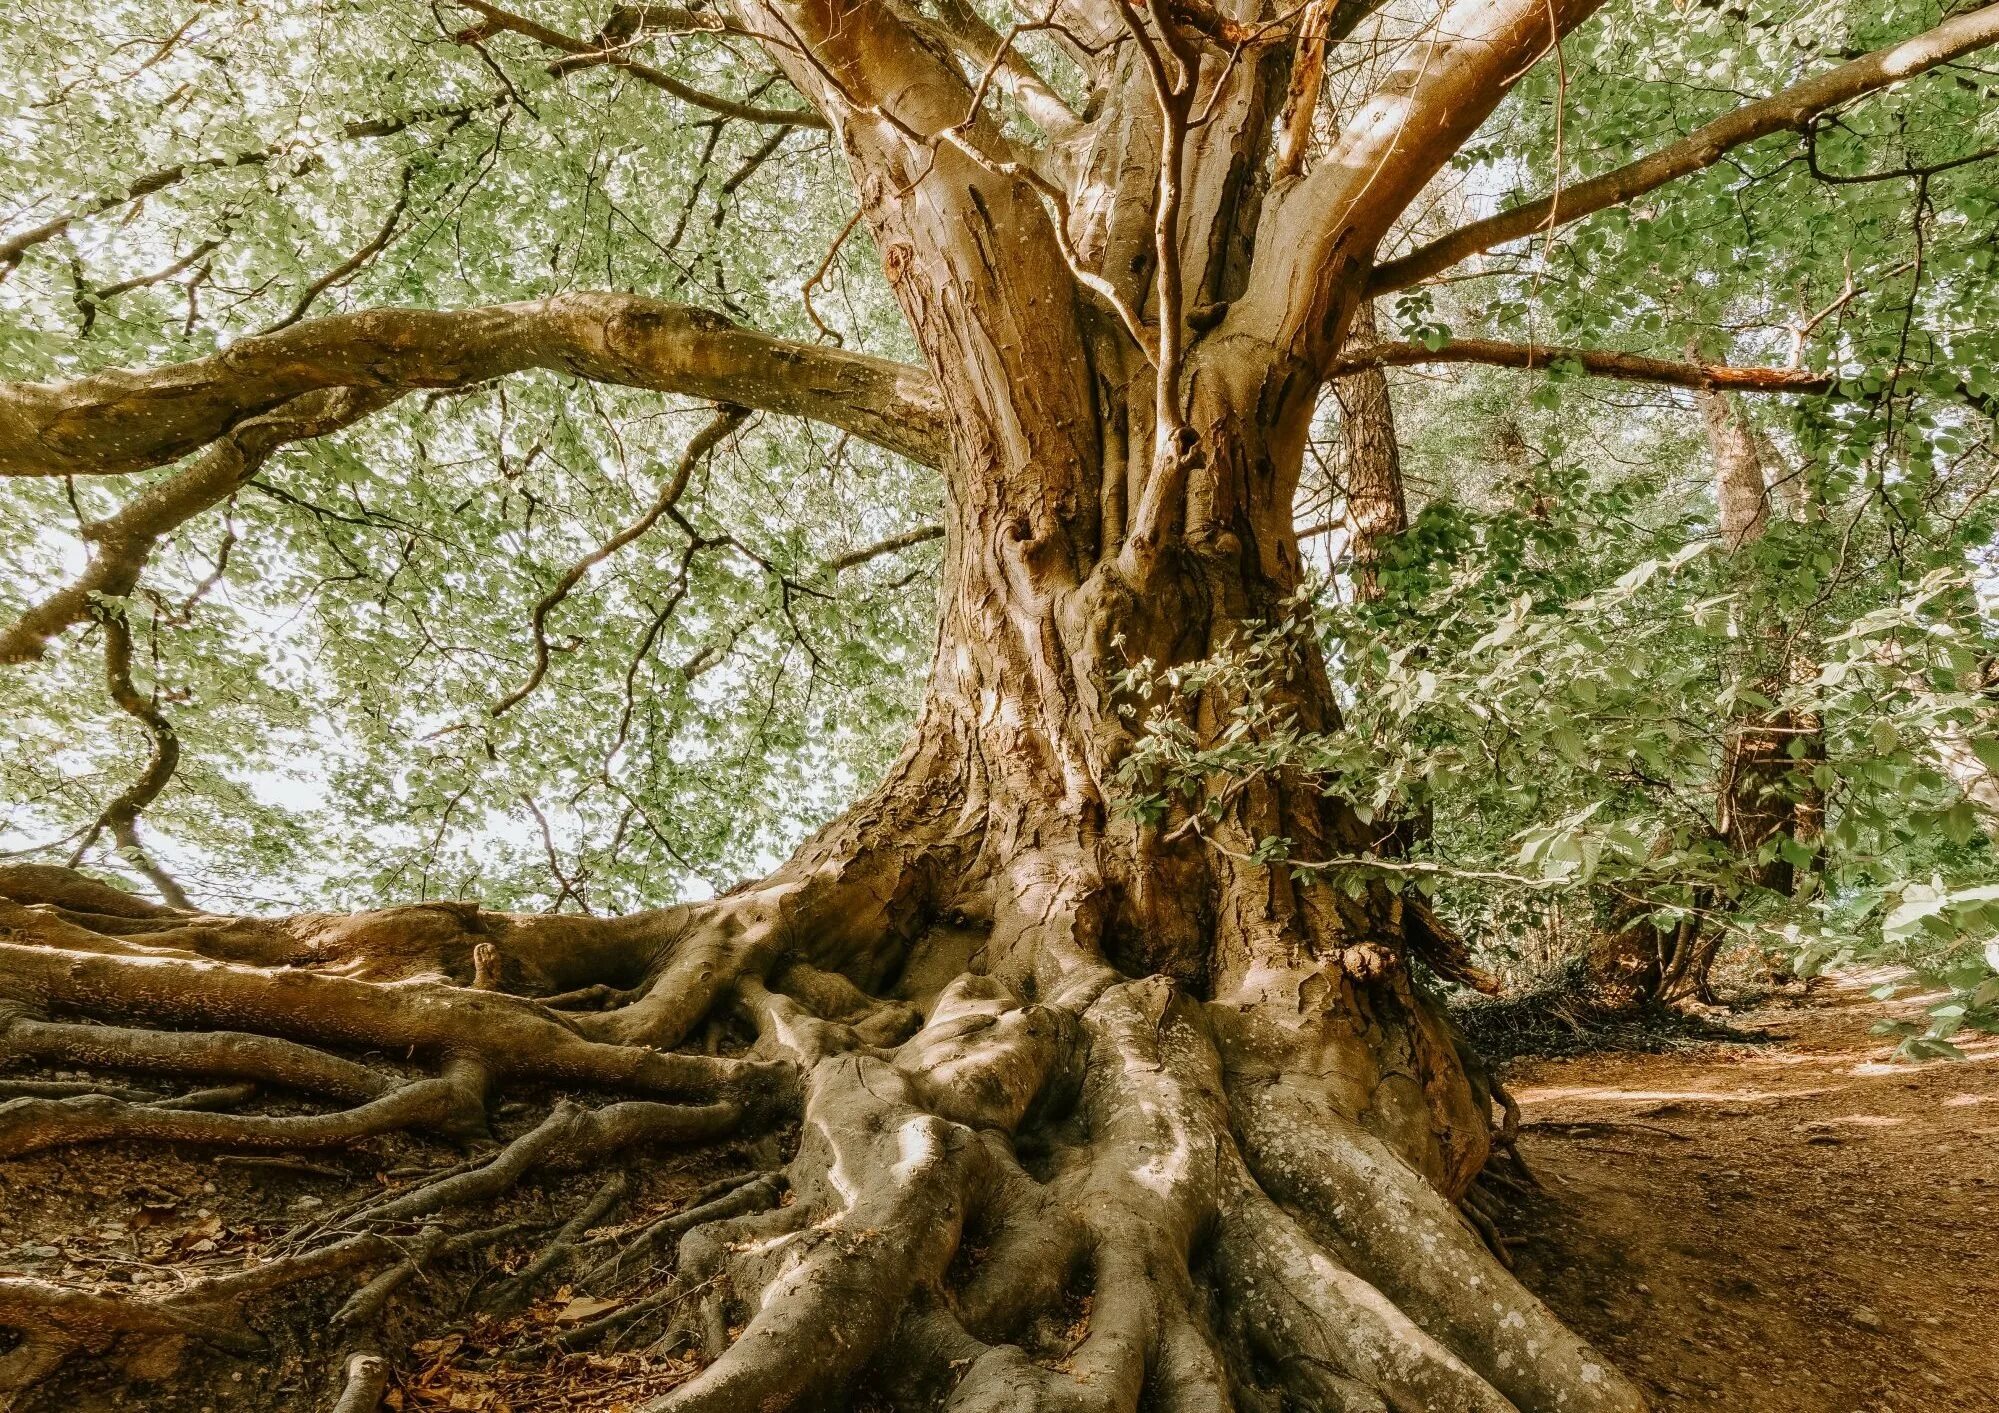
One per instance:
(1046,1055)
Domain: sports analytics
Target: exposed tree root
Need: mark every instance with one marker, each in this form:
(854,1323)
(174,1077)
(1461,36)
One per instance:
(1115,1195)
(367,1376)
(27,1125)
(730,1198)
(571,1136)
(563,1246)
(364,1307)
(209,1055)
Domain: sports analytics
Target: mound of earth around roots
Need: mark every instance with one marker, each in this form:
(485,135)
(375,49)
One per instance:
(1800,1225)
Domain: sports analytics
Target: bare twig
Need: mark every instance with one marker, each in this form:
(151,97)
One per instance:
(592,54)
(15,247)
(719,427)
(347,268)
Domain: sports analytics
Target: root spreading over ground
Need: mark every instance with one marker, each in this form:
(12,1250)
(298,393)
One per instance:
(979,1168)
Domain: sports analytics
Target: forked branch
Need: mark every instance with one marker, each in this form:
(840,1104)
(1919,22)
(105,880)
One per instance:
(1321,229)
(725,421)
(123,542)
(583,53)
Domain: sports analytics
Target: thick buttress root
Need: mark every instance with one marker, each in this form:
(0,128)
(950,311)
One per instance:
(1090,1229)
(1116,1195)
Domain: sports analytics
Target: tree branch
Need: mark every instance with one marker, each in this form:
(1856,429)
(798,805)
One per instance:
(961,26)
(1602,363)
(16,246)
(1323,24)
(121,816)
(724,422)
(375,245)
(122,421)
(1321,230)
(867,554)
(1638,368)
(582,53)
(124,542)
(1793,109)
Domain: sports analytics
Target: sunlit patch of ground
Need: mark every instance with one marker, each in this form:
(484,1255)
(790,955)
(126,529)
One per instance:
(1807,1226)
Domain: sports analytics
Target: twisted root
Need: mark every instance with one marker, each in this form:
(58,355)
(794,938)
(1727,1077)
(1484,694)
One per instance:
(1050,1187)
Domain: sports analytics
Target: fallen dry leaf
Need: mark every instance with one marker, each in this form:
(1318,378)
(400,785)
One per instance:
(581,1308)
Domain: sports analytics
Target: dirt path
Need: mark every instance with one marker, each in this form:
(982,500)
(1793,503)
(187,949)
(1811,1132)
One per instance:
(1798,1227)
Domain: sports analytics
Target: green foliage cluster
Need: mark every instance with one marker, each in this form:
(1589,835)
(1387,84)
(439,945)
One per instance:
(330,647)
(1564,649)
(1558,720)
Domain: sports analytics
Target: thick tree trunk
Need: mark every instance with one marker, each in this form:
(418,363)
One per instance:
(1089,1113)
(1046,1058)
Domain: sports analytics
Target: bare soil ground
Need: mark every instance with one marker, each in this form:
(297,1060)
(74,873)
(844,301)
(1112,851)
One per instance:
(1802,1226)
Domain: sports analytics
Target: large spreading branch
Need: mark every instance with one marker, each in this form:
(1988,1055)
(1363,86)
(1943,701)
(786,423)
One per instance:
(122,543)
(123,421)
(1602,363)
(1794,109)
(1320,232)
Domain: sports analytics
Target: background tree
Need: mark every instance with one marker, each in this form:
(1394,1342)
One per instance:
(1098,999)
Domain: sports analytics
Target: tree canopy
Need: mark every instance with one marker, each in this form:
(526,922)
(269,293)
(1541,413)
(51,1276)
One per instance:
(510,639)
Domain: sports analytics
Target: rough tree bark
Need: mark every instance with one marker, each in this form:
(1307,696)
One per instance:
(1043,1057)
(1765,794)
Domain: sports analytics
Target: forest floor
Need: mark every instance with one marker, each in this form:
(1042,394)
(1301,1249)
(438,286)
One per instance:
(1798,1224)
(1803,1225)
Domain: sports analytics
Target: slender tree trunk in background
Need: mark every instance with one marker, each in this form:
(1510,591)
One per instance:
(1370,462)
(1764,791)
(1377,509)
(1765,794)
(1741,494)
